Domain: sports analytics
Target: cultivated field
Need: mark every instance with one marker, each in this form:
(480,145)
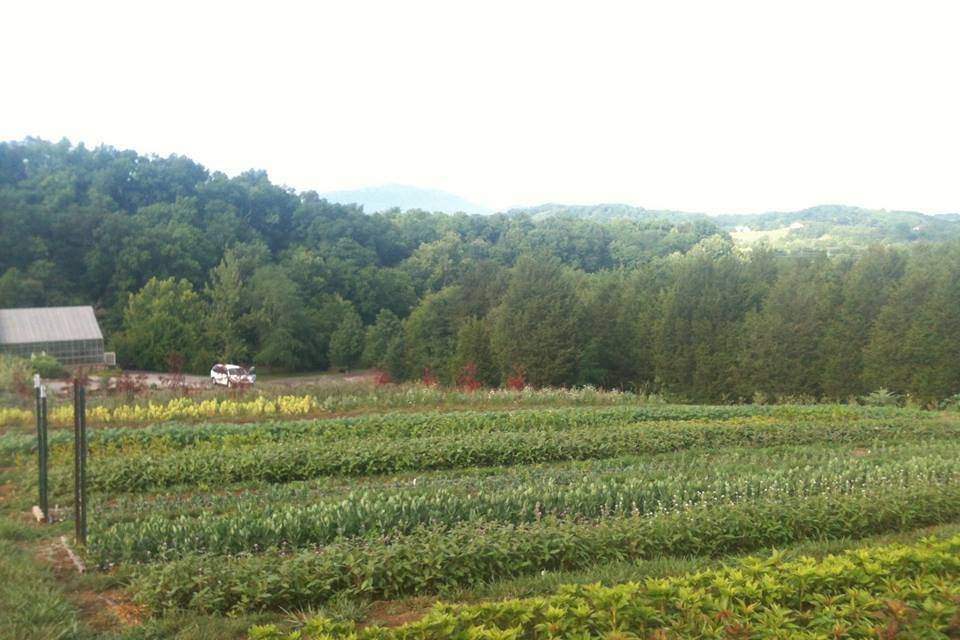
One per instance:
(511,516)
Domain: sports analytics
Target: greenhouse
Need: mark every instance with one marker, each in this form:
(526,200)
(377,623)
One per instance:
(69,334)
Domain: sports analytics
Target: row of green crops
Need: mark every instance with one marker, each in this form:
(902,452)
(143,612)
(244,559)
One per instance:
(431,560)
(208,463)
(883,592)
(265,524)
(174,435)
(730,462)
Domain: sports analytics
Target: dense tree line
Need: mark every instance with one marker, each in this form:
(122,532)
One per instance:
(176,258)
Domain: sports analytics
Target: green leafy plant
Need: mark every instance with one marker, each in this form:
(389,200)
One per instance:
(888,591)
(257,458)
(433,559)
(881,398)
(47,366)
(273,520)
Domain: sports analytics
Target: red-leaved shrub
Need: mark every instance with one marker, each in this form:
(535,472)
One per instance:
(518,380)
(428,378)
(467,379)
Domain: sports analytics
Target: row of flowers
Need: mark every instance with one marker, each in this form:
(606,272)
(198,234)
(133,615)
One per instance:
(176,409)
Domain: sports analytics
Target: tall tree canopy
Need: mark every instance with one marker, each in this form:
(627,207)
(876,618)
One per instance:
(163,318)
(535,327)
(175,257)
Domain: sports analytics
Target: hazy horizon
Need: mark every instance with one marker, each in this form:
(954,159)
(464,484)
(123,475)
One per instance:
(742,107)
(632,204)
(486,209)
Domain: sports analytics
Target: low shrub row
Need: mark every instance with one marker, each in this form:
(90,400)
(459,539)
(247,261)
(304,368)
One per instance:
(156,467)
(175,434)
(430,560)
(698,463)
(265,524)
(883,592)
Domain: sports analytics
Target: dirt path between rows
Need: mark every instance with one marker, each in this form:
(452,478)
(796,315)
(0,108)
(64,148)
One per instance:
(103,612)
(161,381)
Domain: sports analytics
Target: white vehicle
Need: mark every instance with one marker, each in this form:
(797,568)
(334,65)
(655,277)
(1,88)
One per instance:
(232,375)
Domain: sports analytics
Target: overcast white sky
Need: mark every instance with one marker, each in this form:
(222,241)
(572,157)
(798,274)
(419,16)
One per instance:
(704,106)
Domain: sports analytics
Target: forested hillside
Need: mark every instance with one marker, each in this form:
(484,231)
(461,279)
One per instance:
(177,258)
(831,228)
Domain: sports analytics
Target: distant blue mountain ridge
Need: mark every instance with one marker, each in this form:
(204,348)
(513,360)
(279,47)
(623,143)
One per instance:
(819,226)
(390,196)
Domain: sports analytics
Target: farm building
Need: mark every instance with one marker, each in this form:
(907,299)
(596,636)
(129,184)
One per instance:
(69,334)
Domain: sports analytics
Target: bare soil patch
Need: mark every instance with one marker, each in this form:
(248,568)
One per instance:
(393,613)
(107,611)
(103,612)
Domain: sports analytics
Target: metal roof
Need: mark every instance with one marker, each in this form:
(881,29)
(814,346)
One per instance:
(48,324)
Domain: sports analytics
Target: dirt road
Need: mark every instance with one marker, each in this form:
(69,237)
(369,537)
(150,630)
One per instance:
(156,380)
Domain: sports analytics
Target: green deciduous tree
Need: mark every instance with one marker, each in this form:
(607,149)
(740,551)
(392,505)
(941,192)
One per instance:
(378,338)
(430,334)
(19,289)
(279,320)
(613,354)
(164,317)
(473,348)
(395,359)
(225,311)
(346,341)
(535,329)
(436,264)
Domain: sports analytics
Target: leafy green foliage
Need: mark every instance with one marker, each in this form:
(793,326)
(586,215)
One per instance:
(258,458)
(474,351)
(378,338)
(14,373)
(346,342)
(894,590)
(609,296)
(163,318)
(882,398)
(277,519)
(224,318)
(281,321)
(46,366)
(430,560)
(429,335)
(535,328)
(396,504)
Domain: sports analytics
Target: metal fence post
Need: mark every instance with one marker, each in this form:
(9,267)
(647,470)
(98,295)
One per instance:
(36,393)
(83,464)
(44,456)
(79,462)
(76,459)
